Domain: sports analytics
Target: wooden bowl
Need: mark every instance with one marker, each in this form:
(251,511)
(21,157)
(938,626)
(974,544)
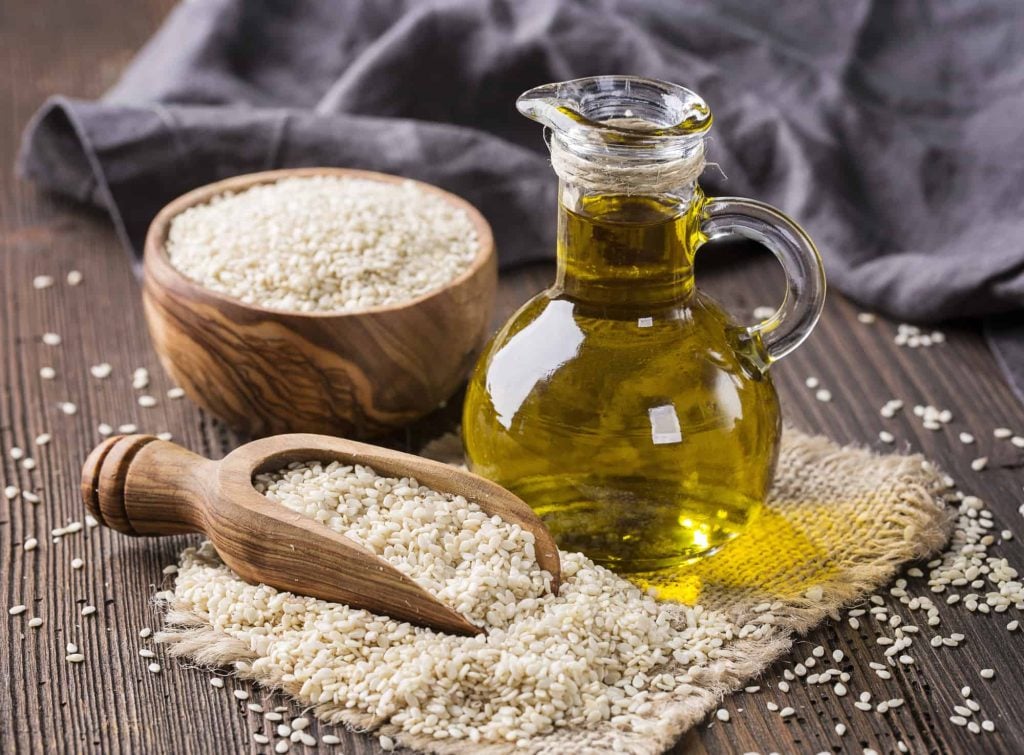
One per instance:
(265,371)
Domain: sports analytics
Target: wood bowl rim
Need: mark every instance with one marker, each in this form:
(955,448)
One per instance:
(156,236)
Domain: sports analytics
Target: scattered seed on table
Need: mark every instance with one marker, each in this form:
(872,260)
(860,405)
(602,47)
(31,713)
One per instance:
(175,393)
(966,438)
(824,395)
(1002,433)
(147,402)
(980,463)
(886,437)
(101,371)
(77,563)
(783,686)
(140,378)
(273,715)
(29,497)
(28,463)
(722,715)
(1018,441)
(164,436)
(51,339)
(260,739)
(771,706)
(146,653)
(216,681)
(987,673)
(812,382)
(88,610)
(17,610)
(71,648)
(786,712)
(74,277)
(1012,626)
(11,492)
(91,521)
(30,544)
(255,707)
(47,373)
(154,668)
(74,658)
(16,453)
(170,569)
(988,725)
(104,429)
(43,439)
(840,729)
(241,694)
(284,730)
(973,727)
(281,747)
(752,689)
(866,317)
(35,622)
(128,428)
(331,739)
(42,281)
(839,689)
(146,632)
(68,408)
(388,744)
(300,723)
(307,739)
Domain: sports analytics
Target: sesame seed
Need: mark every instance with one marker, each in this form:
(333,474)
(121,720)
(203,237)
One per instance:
(16,453)
(17,610)
(101,371)
(29,497)
(74,658)
(1002,433)
(74,277)
(1017,441)
(387,743)
(783,686)
(786,712)
(840,729)
(958,720)
(164,436)
(987,673)
(260,739)
(331,739)
(42,281)
(175,393)
(811,382)
(28,463)
(216,681)
(839,689)
(154,668)
(823,395)
(241,694)
(255,707)
(862,706)
(35,622)
(43,439)
(886,437)
(865,317)
(281,747)
(77,563)
(147,402)
(979,464)
(722,714)
(752,689)
(273,716)
(988,725)
(966,438)
(47,373)
(973,727)
(51,339)
(771,706)
(88,610)
(127,429)
(30,544)
(68,408)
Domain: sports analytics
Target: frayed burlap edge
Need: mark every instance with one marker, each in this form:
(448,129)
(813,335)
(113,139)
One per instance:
(916,526)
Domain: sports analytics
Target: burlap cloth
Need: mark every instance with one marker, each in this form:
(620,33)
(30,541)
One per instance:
(838,524)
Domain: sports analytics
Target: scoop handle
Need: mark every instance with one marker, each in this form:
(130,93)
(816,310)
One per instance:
(143,486)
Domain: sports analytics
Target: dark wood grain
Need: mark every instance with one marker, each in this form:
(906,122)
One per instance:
(111,704)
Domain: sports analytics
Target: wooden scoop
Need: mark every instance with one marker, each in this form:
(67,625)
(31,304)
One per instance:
(143,486)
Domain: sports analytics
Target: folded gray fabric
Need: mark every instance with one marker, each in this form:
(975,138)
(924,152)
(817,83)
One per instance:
(890,130)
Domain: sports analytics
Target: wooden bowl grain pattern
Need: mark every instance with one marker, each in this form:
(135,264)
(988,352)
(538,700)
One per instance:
(265,371)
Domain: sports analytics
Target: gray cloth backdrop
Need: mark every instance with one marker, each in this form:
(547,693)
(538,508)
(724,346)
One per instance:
(891,129)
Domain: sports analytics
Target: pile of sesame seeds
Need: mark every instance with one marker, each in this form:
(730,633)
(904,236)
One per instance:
(324,243)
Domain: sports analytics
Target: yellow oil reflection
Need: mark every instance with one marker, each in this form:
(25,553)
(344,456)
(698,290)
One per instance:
(776,557)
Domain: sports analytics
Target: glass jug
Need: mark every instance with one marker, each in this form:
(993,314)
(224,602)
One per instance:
(634,416)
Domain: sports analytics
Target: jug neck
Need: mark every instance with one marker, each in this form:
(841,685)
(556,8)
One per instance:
(625,250)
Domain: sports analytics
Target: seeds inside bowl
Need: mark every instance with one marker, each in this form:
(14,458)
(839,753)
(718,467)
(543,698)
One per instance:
(323,243)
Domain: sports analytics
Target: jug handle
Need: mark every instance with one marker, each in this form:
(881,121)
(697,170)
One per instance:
(793,321)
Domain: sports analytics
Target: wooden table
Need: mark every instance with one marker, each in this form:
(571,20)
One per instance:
(112,704)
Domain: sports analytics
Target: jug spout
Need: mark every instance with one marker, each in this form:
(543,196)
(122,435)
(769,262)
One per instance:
(619,111)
